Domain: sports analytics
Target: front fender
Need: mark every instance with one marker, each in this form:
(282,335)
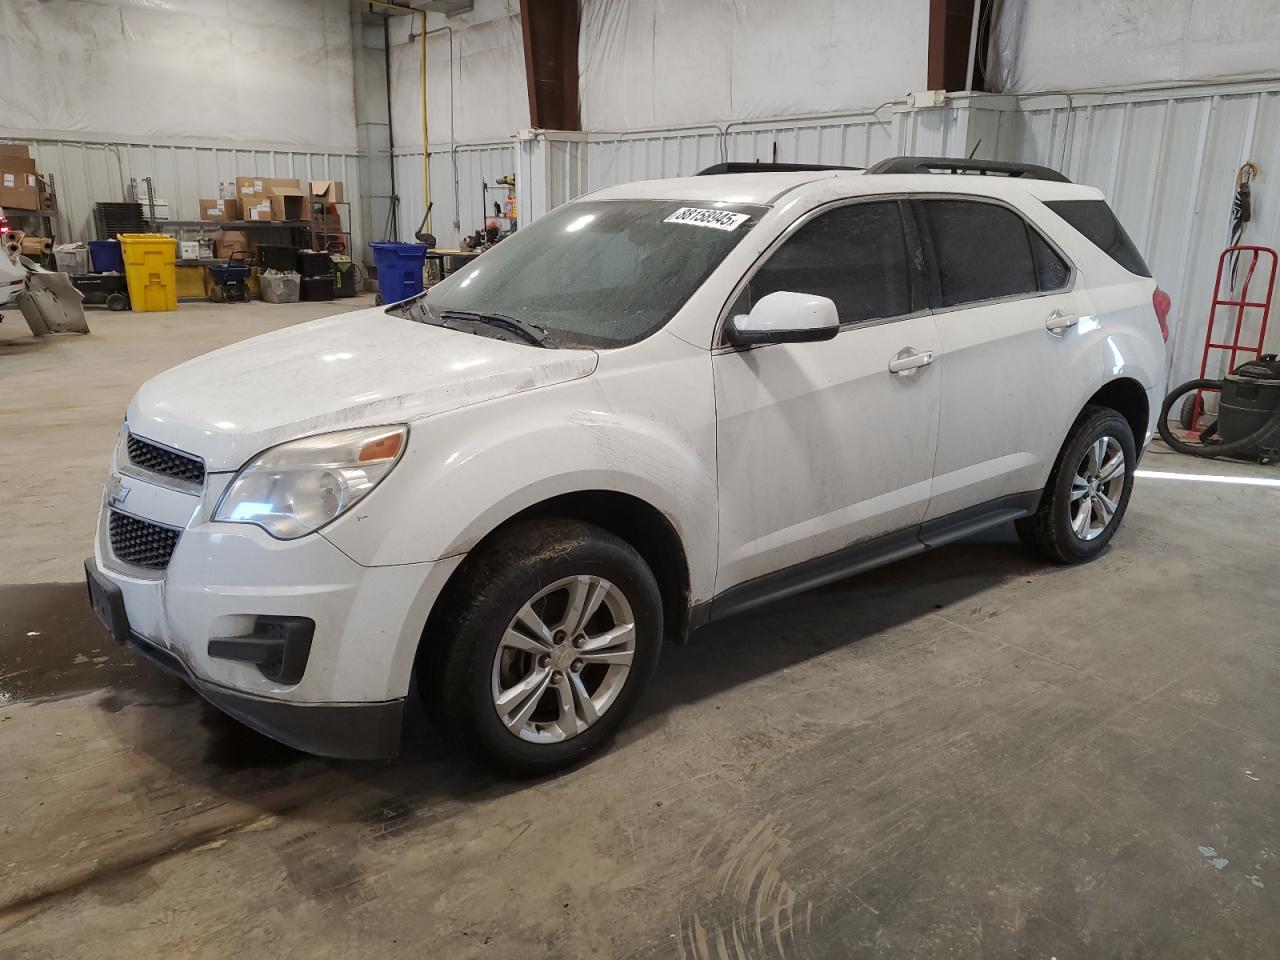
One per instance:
(464,473)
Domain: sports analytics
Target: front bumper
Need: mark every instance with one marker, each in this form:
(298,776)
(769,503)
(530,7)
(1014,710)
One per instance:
(348,731)
(223,581)
(342,730)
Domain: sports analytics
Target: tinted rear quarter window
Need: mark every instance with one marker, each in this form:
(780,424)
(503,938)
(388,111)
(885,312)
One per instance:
(1094,219)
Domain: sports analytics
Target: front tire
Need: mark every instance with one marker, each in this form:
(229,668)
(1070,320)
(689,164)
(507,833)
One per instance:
(546,640)
(1088,490)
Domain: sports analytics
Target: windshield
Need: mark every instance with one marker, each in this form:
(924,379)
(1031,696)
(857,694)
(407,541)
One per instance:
(602,273)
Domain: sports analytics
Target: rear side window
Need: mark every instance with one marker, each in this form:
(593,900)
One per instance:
(856,255)
(982,251)
(1094,219)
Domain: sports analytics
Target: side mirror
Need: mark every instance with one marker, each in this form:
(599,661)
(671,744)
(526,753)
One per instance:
(786,317)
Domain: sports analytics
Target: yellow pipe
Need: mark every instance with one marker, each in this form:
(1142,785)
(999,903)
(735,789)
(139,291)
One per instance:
(422,76)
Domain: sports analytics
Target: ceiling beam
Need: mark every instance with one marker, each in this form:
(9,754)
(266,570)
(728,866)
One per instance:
(950,34)
(551,62)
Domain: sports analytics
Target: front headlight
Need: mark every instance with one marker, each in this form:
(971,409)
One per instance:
(298,487)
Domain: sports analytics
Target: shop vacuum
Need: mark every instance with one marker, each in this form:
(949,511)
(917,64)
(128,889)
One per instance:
(1247,425)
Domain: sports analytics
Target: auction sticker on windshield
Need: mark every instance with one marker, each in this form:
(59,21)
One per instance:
(716,219)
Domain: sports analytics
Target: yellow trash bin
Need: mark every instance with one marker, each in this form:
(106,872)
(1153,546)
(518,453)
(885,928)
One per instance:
(149,270)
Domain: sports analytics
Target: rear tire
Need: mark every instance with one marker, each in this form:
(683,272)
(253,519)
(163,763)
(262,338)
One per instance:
(508,625)
(1088,491)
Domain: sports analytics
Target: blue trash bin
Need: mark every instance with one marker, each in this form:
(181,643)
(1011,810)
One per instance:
(106,256)
(399,267)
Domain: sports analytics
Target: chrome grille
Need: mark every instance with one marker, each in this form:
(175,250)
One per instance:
(168,463)
(140,542)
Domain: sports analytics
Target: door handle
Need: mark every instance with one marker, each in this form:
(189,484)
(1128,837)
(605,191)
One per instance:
(908,359)
(1059,322)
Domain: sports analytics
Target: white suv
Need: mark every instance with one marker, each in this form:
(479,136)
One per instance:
(661,404)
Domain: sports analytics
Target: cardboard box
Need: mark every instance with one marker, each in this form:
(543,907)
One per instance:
(18,186)
(327,191)
(255,188)
(219,209)
(18,165)
(230,241)
(289,203)
(14,151)
(257,209)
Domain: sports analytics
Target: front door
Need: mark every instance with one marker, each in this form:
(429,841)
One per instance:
(823,445)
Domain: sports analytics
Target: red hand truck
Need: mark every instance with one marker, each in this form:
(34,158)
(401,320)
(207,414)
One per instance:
(1191,417)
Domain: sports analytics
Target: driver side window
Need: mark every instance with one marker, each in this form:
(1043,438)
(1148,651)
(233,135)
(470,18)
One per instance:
(856,255)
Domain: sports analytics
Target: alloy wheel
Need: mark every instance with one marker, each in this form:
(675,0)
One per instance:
(563,659)
(1096,487)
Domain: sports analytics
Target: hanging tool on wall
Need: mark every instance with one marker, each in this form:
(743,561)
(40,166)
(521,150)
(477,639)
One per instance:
(1241,211)
(422,233)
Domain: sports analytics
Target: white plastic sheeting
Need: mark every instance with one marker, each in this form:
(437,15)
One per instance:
(1096,44)
(261,71)
(646,63)
(484,55)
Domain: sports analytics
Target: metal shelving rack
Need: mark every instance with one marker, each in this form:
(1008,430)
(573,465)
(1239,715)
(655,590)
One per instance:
(259,231)
(18,216)
(320,239)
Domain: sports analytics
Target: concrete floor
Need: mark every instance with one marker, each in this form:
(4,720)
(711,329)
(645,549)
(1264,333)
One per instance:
(966,754)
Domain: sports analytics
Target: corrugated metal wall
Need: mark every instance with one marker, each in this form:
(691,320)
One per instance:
(1167,160)
(456,208)
(856,139)
(571,164)
(87,172)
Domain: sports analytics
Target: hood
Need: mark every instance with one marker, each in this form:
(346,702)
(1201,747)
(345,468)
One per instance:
(358,369)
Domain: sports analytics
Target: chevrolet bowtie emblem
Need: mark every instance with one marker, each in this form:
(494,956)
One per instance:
(117,492)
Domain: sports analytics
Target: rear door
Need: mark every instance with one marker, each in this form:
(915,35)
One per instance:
(820,445)
(1008,310)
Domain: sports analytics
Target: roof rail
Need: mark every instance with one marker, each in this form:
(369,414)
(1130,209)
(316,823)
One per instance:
(1007,168)
(743,166)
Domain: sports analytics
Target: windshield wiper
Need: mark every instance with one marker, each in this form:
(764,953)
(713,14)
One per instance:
(525,328)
